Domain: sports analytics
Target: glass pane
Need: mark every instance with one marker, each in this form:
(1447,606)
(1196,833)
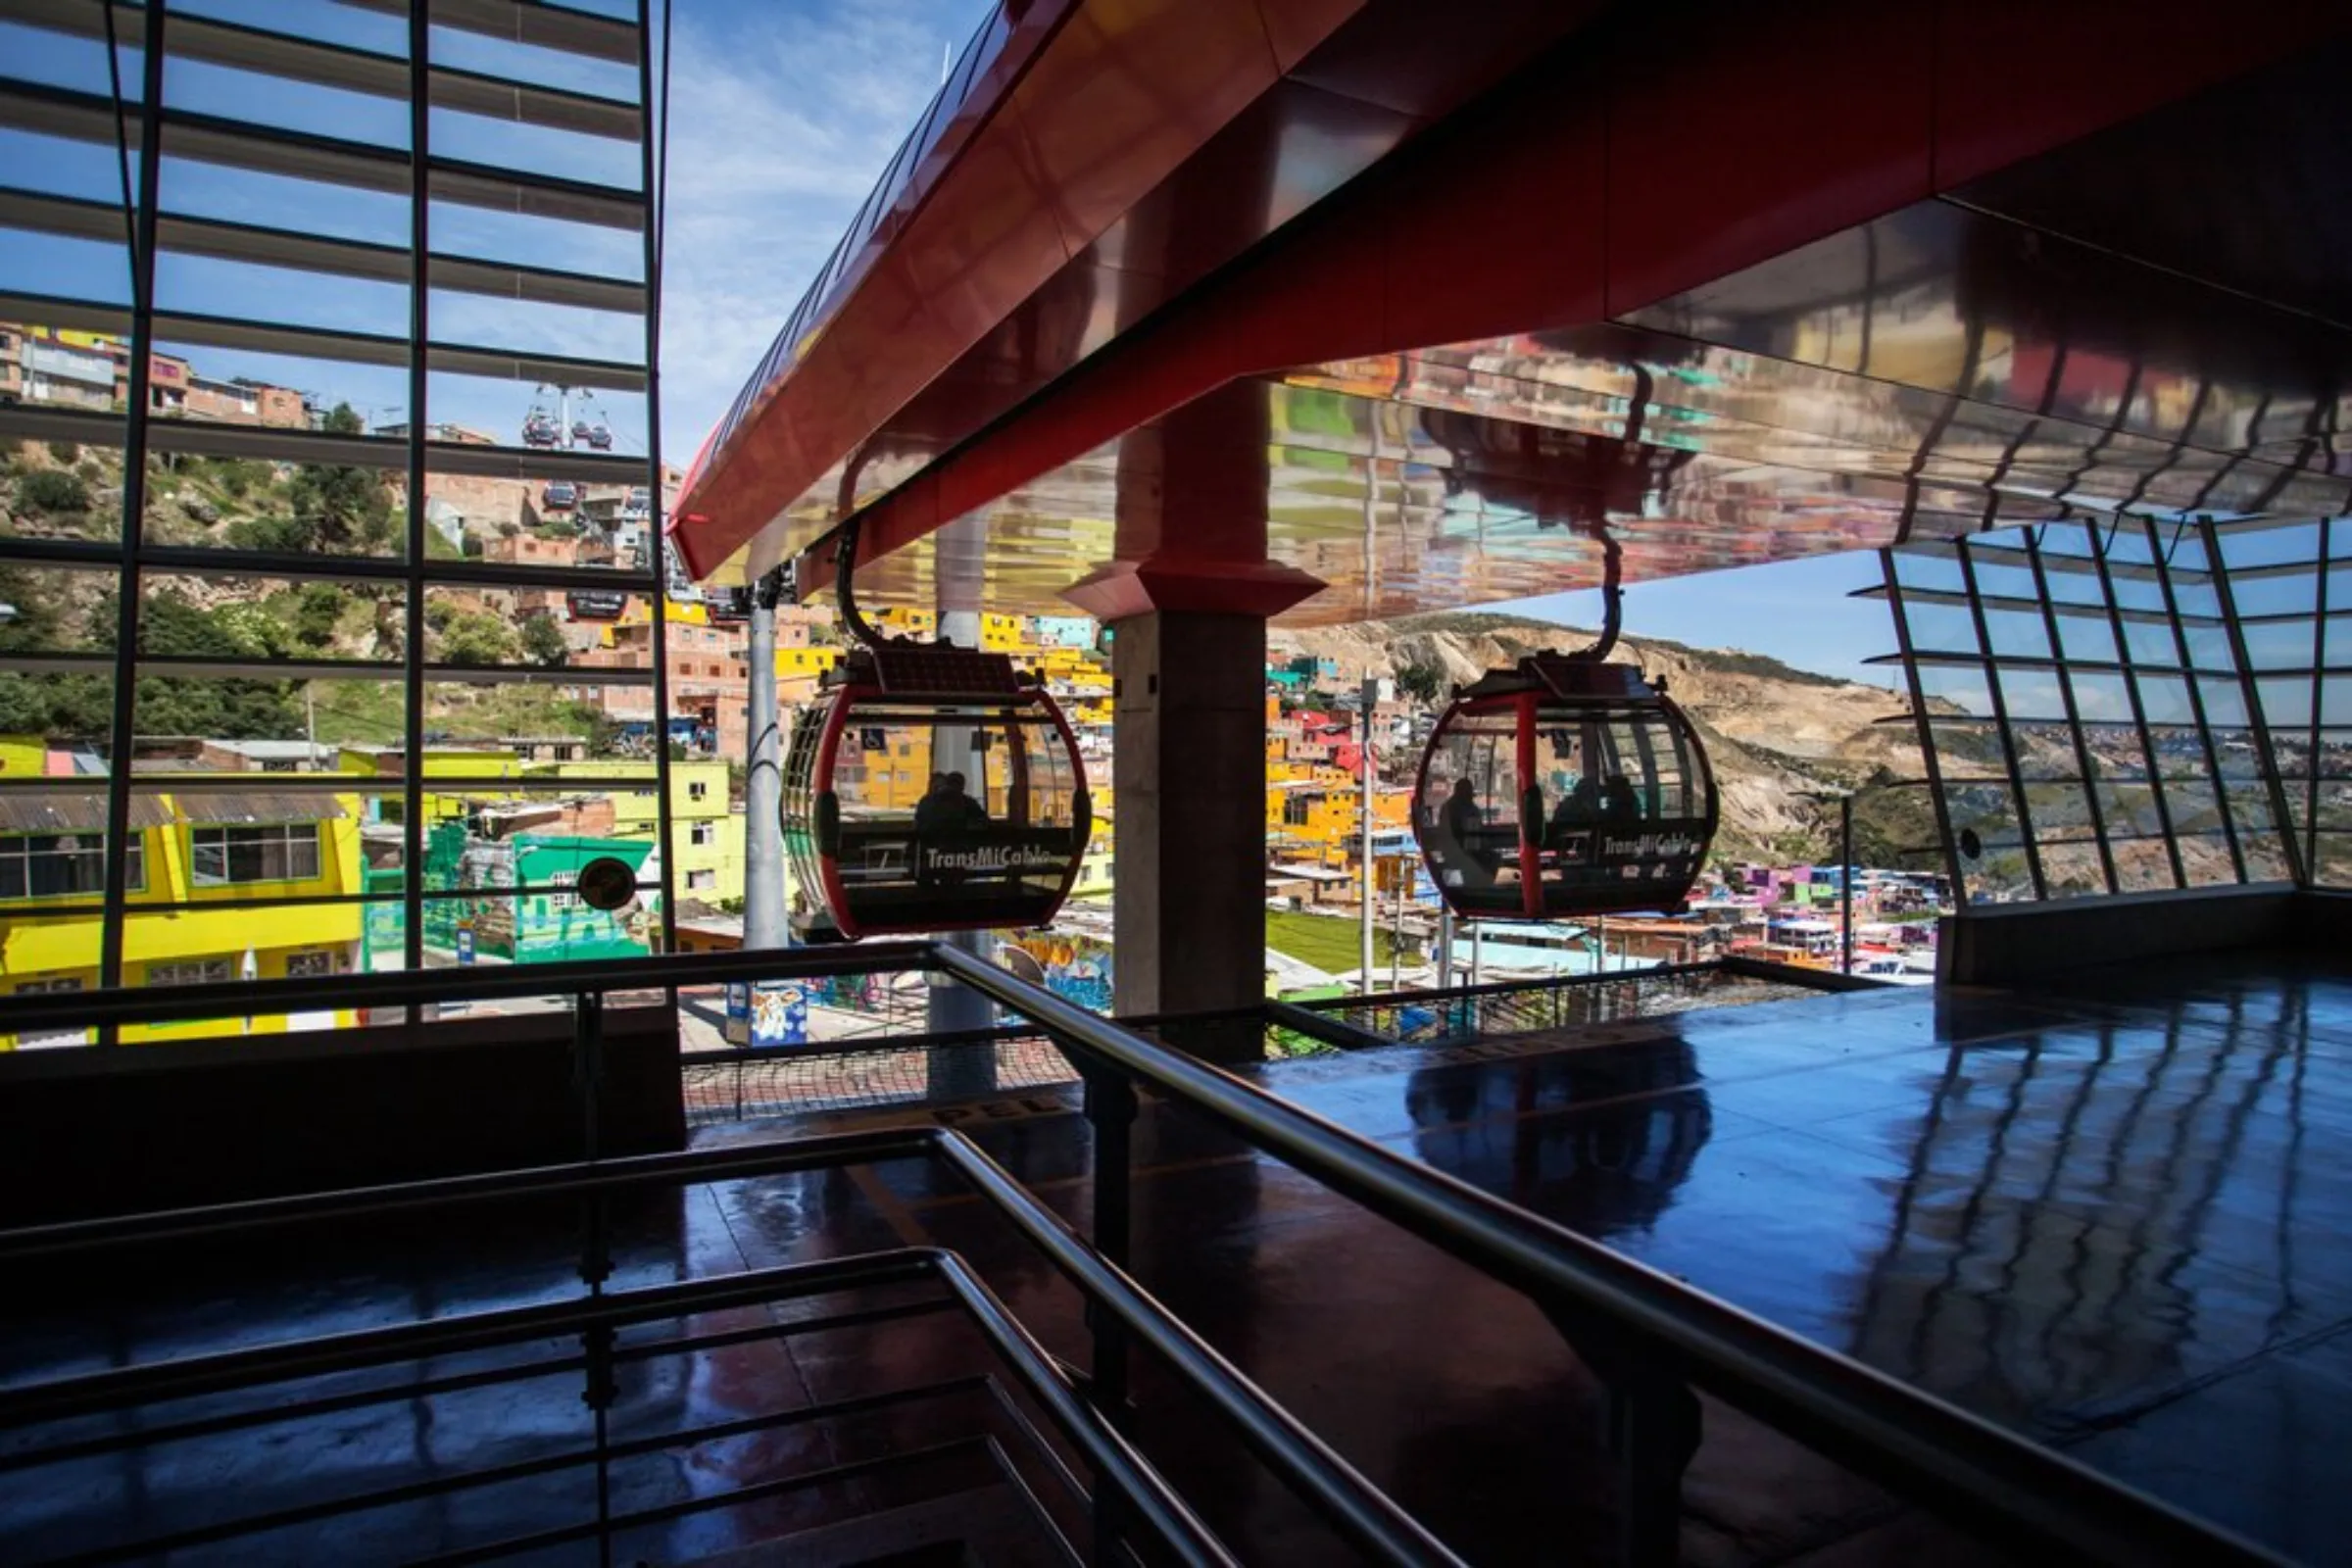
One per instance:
(2018,633)
(2142,865)
(2151,643)
(2086,635)
(2333,866)
(1940,629)
(2060,810)
(2205,860)
(2071,871)
(59,489)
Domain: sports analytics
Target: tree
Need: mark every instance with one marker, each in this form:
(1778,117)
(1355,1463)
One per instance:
(318,611)
(287,536)
(476,637)
(59,707)
(543,641)
(344,509)
(230,708)
(1422,681)
(558,528)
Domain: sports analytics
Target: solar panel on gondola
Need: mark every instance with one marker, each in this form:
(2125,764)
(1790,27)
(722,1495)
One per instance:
(932,789)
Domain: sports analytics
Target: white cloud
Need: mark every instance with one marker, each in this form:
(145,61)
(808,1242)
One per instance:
(781,121)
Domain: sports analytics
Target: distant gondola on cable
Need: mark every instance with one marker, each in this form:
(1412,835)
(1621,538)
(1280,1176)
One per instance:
(539,430)
(933,788)
(1564,786)
(596,604)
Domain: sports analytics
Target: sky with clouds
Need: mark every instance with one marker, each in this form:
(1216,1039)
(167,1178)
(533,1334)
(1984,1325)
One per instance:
(783,116)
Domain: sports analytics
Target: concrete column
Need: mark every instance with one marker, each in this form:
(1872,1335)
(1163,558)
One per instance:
(1187,594)
(1188,731)
(764,780)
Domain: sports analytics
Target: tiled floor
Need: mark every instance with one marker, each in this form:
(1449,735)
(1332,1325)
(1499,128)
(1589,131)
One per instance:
(2109,1215)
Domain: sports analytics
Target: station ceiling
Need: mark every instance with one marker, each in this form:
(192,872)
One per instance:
(2152,317)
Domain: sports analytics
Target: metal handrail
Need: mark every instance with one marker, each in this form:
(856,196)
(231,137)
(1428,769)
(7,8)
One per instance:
(231,999)
(1850,1412)
(1371,1520)
(1853,1414)
(1113,1455)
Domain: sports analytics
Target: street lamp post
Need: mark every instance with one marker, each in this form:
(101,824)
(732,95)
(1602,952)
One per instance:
(1845,883)
(1845,874)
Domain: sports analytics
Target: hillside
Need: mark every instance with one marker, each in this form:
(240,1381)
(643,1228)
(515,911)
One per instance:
(58,490)
(1775,734)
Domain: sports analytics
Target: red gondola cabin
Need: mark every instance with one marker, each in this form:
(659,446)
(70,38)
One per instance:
(1563,787)
(933,790)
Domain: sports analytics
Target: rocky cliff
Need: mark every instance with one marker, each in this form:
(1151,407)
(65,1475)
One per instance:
(1775,734)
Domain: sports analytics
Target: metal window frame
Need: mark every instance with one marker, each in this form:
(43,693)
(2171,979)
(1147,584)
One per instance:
(2002,727)
(2283,820)
(154,128)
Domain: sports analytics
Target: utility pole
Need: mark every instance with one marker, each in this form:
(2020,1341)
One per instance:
(764,778)
(959,1072)
(1396,937)
(1846,882)
(1366,696)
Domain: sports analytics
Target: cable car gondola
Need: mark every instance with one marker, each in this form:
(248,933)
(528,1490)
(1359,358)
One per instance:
(934,789)
(1564,786)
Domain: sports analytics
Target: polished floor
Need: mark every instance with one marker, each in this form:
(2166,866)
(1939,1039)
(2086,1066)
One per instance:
(2111,1214)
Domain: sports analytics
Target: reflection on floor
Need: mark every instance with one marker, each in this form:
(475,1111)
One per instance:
(2109,1214)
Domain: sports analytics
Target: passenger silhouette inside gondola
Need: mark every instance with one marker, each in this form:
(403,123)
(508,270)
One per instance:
(946,824)
(1622,804)
(1579,809)
(1466,826)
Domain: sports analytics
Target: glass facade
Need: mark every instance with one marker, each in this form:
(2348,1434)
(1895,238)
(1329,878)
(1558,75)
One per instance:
(325,386)
(2129,704)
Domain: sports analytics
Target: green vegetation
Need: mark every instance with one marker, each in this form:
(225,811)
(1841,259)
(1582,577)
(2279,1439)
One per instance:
(471,637)
(543,641)
(65,451)
(1331,944)
(1422,682)
(53,491)
(173,625)
(333,509)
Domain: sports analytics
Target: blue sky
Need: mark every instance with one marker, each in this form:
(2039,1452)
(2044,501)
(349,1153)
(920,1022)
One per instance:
(784,114)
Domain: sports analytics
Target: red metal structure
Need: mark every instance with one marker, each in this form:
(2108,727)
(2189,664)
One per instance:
(1871,221)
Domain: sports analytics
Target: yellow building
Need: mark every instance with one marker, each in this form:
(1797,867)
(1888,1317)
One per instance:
(706,835)
(1093,871)
(386,766)
(200,854)
(1319,819)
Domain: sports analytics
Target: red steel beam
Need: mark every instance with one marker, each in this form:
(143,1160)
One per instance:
(1667,150)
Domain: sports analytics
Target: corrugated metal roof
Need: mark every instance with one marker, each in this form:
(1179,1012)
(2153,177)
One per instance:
(259,807)
(72,812)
